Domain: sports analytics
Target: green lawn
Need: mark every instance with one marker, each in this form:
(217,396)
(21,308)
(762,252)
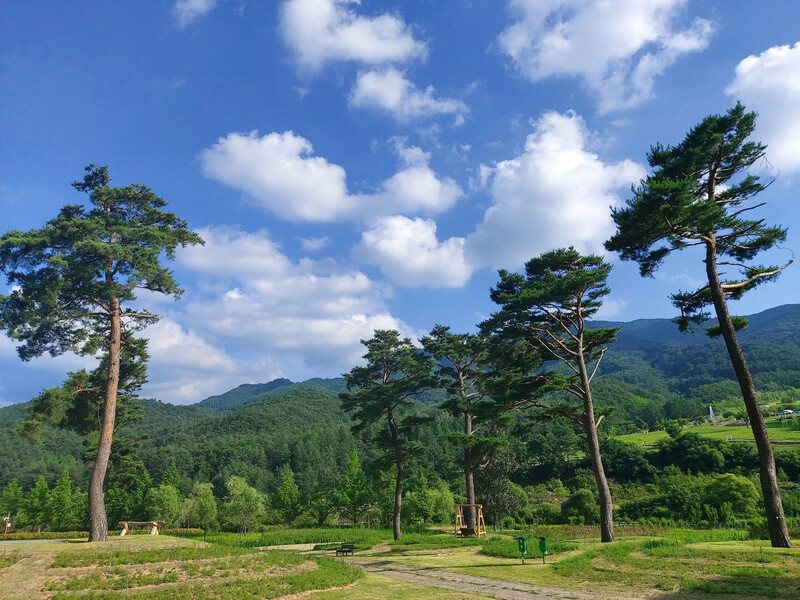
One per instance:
(778,431)
(651,563)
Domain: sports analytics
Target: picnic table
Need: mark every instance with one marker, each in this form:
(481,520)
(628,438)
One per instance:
(153,525)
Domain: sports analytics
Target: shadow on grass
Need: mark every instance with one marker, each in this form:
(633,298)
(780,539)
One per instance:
(746,586)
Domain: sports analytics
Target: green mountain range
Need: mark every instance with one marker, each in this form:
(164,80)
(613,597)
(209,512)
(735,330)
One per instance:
(653,372)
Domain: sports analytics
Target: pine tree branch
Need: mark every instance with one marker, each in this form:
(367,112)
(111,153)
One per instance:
(597,364)
(727,287)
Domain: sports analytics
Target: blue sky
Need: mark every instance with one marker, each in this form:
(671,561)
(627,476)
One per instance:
(359,165)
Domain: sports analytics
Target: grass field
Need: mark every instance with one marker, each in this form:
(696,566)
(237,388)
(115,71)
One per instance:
(156,568)
(651,563)
(777,429)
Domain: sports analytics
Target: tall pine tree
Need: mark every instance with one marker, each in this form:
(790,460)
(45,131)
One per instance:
(700,194)
(546,310)
(73,282)
(383,390)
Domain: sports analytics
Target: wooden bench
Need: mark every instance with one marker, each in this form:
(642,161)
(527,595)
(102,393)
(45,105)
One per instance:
(468,532)
(345,549)
(153,525)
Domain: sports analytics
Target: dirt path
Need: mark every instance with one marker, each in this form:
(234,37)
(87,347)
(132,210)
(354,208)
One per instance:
(18,581)
(493,588)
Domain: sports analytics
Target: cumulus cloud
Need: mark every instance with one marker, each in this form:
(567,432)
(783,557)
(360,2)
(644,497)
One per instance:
(318,31)
(770,84)
(556,193)
(187,12)
(408,253)
(308,314)
(390,91)
(617,48)
(185,368)
(281,173)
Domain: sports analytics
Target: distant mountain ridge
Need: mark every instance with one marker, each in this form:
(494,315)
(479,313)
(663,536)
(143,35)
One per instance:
(781,323)
(242,395)
(254,393)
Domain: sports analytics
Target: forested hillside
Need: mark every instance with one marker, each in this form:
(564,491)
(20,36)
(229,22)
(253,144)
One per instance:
(652,376)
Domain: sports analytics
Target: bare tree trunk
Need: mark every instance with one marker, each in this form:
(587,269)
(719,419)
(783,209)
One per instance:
(590,428)
(776,522)
(469,476)
(97,509)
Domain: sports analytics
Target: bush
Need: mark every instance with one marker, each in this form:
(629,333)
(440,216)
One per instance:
(548,514)
(581,507)
(735,490)
(47,535)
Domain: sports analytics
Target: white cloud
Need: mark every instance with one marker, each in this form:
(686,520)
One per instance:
(770,84)
(307,317)
(318,31)
(313,244)
(280,172)
(185,368)
(409,254)
(557,193)
(187,12)
(389,90)
(611,309)
(618,48)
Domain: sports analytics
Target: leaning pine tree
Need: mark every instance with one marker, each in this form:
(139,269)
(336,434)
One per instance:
(543,317)
(700,195)
(71,282)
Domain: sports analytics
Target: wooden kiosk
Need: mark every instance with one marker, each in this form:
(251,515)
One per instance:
(462,530)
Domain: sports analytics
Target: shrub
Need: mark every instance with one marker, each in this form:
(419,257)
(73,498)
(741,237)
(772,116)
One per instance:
(581,507)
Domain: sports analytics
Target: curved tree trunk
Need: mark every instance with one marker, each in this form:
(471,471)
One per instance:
(97,508)
(593,446)
(776,522)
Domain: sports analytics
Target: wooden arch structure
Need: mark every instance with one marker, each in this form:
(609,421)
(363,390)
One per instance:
(462,529)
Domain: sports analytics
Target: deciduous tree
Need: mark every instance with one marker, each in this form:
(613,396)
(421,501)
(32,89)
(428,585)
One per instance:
(244,505)
(286,499)
(701,194)
(61,513)
(354,493)
(203,506)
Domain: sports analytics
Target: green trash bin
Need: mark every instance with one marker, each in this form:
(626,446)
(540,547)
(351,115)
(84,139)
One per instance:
(542,547)
(522,545)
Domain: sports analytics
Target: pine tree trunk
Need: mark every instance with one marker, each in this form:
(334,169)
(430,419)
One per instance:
(776,522)
(469,477)
(593,446)
(97,509)
(398,502)
(398,486)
